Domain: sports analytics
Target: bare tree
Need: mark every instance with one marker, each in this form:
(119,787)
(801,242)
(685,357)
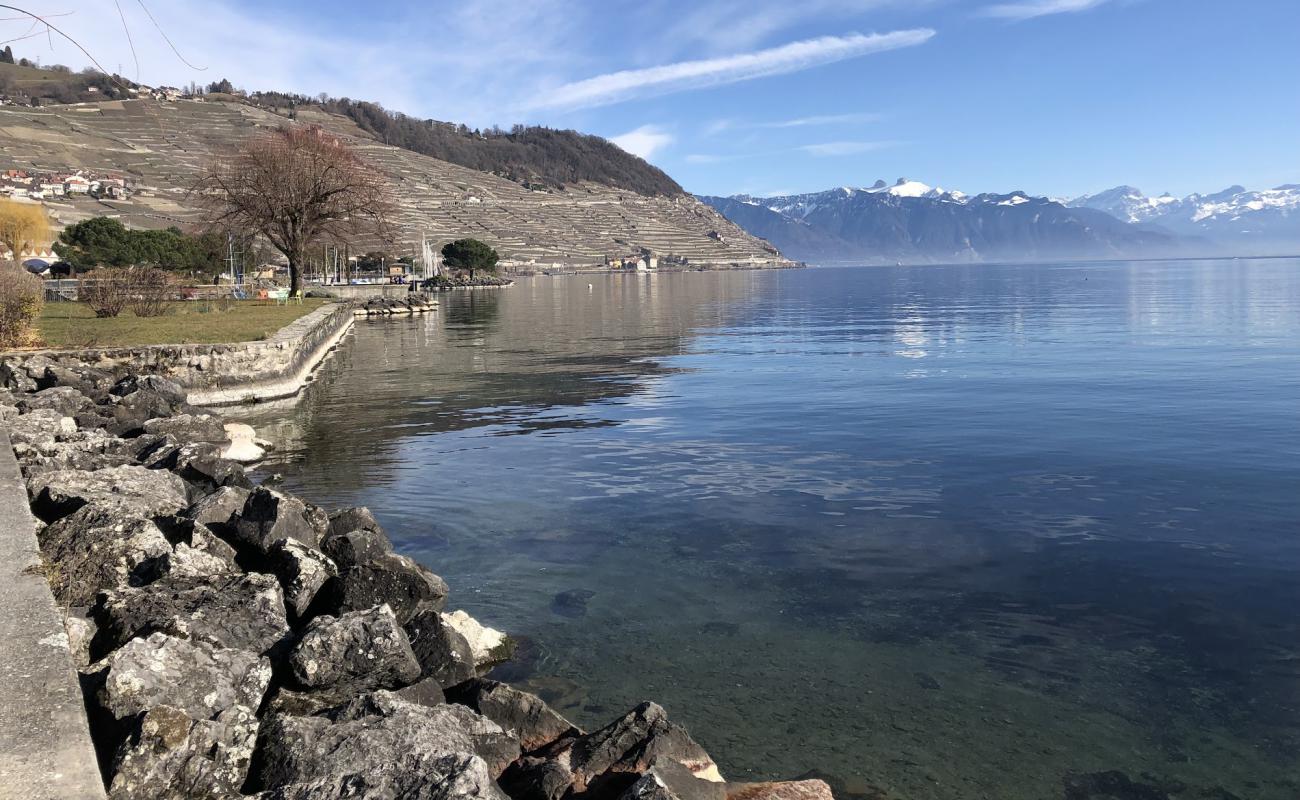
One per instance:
(296,186)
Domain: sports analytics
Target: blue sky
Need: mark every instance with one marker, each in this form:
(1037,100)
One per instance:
(1055,97)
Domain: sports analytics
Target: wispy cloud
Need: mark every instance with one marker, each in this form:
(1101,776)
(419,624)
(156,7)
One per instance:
(821,150)
(645,141)
(1028,9)
(831,149)
(718,126)
(616,87)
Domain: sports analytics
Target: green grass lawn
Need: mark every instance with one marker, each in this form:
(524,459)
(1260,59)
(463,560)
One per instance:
(64,325)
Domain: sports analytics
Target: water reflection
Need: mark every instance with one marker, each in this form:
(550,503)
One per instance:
(941,532)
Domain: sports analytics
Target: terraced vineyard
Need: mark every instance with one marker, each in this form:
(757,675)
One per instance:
(162,145)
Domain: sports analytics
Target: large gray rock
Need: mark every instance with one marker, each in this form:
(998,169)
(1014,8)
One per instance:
(98,548)
(525,715)
(407,587)
(130,489)
(453,777)
(668,780)
(169,755)
(39,430)
(634,743)
(85,450)
(195,677)
(218,510)
(302,571)
(185,561)
(190,428)
(168,390)
(443,653)
(269,516)
(201,464)
(66,400)
(385,746)
(353,548)
(607,762)
(235,611)
(358,652)
(93,383)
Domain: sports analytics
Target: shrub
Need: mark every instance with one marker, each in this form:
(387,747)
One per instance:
(106,291)
(151,291)
(22,295)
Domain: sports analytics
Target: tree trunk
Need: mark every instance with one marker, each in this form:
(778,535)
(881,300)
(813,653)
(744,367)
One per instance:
(295,276)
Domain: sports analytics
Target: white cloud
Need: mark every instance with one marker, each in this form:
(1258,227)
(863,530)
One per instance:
(1028,9)
(825,119)
(830,149)
(645,141)
(616,87)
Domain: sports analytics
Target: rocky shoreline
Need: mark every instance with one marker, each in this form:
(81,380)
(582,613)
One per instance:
(233,640)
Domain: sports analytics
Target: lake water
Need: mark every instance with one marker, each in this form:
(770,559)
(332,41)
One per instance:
(933,532)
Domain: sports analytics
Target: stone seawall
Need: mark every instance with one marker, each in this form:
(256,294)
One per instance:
(215,374)
(45,747)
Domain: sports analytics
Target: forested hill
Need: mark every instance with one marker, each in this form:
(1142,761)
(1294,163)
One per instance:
(533,156)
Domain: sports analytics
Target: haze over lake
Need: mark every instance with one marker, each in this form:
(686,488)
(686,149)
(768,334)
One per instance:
(935,532)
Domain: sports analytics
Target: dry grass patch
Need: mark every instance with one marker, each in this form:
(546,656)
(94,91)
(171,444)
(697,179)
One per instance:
(74,325)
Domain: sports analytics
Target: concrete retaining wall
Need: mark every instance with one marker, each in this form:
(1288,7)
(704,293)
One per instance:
(45,748)
(223,374)
(364,291)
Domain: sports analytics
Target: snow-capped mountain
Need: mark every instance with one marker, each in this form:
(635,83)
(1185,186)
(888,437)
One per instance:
(1243,221)
(912,221)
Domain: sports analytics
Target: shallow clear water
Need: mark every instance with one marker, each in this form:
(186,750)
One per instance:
(936,532)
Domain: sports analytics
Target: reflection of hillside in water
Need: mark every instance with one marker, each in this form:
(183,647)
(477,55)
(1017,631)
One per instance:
(529,358)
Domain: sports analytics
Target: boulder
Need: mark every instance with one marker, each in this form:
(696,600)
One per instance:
(190,428)
(357,518)
(243,445)
(524,715)
(183,530)
(779,790)
(190,562)
(93,383)
(218,510)
(269,516)
(235,611)
(168,390)
(426,692)
(302,571)
(607,762)
(195,677)
(380,743)
(453,777)
(23,375)
(170,755)
(97,548)
(65,400)
(129,489)
(669,780)
(40,429)
(443,653)
(487,646)
(358,652)
(404,585)
(353,548)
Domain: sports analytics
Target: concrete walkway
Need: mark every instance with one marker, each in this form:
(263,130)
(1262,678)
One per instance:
(45,749)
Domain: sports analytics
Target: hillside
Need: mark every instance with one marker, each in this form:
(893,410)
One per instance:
(911,222)
(160,146)
(535,156)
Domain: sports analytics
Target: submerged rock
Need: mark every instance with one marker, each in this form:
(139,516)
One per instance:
(572,604)
(358,652)
(170,755)
(525,715)
(780,790)
(98,548)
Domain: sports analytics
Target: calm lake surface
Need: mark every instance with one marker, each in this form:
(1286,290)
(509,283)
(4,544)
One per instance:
(933,532)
